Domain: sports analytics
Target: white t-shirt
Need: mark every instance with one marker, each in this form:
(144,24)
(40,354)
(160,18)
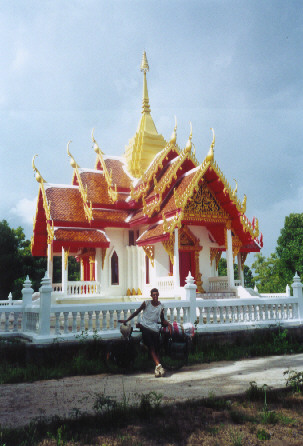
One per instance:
(151,316)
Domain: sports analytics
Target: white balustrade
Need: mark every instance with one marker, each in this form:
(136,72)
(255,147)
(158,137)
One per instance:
(219,283)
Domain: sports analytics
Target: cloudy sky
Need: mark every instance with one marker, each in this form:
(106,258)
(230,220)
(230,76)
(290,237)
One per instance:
(67,66)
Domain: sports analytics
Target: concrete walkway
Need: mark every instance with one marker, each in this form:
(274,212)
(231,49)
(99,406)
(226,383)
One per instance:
(22,403)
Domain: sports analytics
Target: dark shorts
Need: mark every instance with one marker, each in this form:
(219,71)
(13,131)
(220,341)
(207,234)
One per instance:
(150,338)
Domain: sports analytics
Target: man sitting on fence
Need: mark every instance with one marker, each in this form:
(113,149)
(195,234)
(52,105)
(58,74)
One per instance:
(153,313)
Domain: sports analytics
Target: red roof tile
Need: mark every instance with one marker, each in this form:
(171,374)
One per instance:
(65,204)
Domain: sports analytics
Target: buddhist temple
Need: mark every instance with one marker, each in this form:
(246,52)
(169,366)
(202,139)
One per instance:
(145,219)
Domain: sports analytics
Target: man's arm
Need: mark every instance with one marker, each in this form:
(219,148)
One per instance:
(165,323)
(135,313)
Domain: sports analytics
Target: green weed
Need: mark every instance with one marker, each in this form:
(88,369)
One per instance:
(236,438)
(294,380)
(263,435)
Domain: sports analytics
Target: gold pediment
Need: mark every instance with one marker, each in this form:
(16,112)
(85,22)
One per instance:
(204,204)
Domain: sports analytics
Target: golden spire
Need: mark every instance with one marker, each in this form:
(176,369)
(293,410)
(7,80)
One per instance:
(147,142)
(145,68)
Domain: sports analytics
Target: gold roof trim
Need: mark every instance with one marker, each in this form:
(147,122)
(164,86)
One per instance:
(137,193)
(249,227)
(165,182)
(112,191)
(241,207)
(83,191)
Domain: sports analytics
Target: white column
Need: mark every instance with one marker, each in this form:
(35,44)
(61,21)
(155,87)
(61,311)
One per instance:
(45,305)
(230,260)
(297,292)
(190,295)
(134,267)
(129,269)
(64,272)
(98,266)
(176,271)
(240,269)
(50,261)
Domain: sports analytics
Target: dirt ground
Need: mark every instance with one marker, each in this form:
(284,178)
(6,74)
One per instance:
(22,403)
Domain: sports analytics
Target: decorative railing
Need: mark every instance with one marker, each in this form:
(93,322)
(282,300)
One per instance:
(220,283)
(165,285)
(79,288)
(102,318)
(247,311)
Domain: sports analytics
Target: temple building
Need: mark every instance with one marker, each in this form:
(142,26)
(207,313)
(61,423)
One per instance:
(144,219)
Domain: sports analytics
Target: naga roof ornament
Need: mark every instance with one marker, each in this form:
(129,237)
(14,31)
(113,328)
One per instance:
(112,191)
(83,191)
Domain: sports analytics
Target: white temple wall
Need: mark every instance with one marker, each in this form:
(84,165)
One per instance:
(161,261)
(117,238)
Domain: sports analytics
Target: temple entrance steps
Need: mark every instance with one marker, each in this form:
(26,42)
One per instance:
(218,295)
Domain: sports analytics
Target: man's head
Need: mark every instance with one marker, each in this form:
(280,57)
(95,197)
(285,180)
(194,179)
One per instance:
(154,290)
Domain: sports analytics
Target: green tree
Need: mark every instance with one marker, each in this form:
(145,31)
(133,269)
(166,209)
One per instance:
(267,276)
(10,263)
(272,274)
(290,248)
(248,276)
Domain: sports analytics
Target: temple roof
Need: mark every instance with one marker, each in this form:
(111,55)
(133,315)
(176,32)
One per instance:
(155,184)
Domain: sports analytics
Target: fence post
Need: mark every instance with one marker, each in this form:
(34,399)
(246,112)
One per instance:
(27,293)
(190,295)
(45,305)
(297,292)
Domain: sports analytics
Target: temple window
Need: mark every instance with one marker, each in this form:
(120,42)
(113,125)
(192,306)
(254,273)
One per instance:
(147,270)
(131,238)
(115,269)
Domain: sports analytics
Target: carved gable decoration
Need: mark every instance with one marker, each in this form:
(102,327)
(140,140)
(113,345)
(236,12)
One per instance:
(185,240)
(204,204)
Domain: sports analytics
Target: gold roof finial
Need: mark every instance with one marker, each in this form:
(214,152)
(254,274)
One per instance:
(235,189)
(144,64)
(38,175)
(173,137)
(72,161)
(145,68)
(96,146)
(210,155)
(189,143)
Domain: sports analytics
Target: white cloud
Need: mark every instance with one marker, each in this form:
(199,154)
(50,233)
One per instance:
(25,209)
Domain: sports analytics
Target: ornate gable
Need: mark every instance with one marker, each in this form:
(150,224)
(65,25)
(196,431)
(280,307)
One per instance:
(204,205)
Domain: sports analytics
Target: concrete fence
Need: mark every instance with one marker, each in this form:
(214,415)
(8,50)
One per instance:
(41,321)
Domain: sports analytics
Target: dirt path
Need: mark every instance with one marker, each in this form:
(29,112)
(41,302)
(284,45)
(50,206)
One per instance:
(22,403)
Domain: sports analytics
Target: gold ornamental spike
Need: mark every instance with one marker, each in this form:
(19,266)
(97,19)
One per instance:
(173,138)
(235,189)
(189,143)
(144,64)
(96,146)
(214,139)
(38,175)
(210,155)
(72,161)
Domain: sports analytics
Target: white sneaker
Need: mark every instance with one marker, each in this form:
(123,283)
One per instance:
(159,371)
